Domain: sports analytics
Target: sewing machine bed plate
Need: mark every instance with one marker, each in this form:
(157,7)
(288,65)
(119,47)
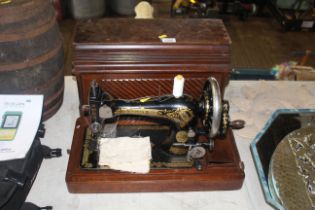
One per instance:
(222,171)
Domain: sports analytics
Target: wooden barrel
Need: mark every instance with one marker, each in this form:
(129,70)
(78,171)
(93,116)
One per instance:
(31,52)
(83,9)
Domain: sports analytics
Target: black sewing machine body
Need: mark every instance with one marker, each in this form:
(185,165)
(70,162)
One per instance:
(181,130)
(180,111)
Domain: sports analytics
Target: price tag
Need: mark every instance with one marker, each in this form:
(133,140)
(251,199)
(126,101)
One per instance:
(307,24)
(168,40)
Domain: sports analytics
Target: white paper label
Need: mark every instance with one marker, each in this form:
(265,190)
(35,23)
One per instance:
(307,24)
(168,40)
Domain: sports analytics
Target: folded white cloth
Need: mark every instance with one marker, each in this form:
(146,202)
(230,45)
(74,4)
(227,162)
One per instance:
(126,154)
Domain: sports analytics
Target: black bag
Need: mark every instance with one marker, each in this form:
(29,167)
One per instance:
(31,206)
(17,176)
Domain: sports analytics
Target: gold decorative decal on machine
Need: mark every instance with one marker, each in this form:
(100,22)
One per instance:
(181,116)
(143,100)
(173,164)
(181,136)
(178,150)
(86,150)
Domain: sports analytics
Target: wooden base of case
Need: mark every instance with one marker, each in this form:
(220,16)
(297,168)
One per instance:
(223,170)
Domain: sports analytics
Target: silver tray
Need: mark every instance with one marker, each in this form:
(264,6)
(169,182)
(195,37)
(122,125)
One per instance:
(281,123)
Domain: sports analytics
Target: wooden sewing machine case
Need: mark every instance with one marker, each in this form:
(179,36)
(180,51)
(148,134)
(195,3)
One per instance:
(129,60)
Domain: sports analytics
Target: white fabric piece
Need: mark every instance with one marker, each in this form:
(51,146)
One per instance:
(126,154)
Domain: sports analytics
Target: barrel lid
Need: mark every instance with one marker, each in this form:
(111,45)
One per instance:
(151,32)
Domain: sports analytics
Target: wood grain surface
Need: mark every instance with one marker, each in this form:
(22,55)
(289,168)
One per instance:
(222,170)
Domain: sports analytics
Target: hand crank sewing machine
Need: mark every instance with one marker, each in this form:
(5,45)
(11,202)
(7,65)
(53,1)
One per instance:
(181,132)
(192,144)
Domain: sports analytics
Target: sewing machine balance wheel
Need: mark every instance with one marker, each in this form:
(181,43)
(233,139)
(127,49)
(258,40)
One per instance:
(211,104)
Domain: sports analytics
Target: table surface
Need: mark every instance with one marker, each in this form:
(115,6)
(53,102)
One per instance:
(252,101)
